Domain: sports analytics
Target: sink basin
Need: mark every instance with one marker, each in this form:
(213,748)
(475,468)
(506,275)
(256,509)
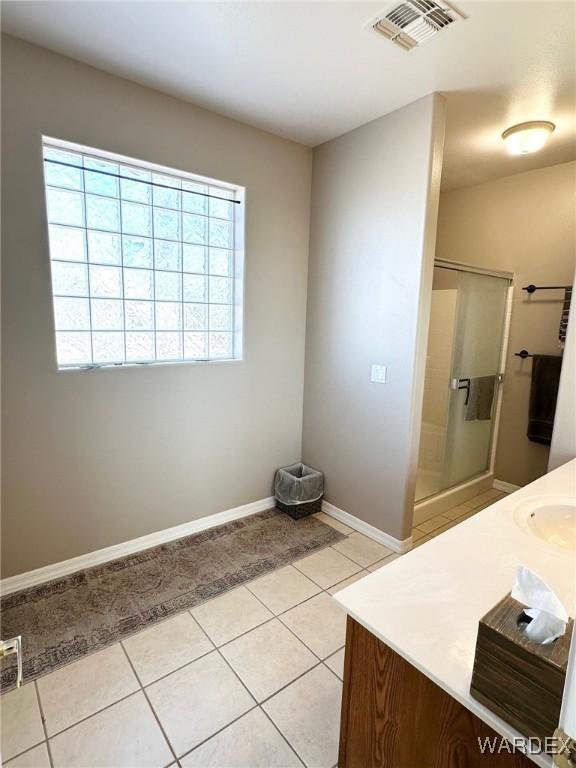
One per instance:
(550,518)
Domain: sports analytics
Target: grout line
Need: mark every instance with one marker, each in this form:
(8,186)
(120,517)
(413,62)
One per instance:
(471,511)
(282,613)
(216,733)
(242,683)
(331,670)
(297,638)
(278,618)
(349,557)
(237,637)
(177,669)
(318,587)
(287,685)
(261,624)
(6,763)
(302,641)
(39,743)
(349,532)
(242,634)
(284,687)
(150,704)
(364,567)
(213,650)
(337,582)
(268,620)
(259,704)
(42,717)
(235,673)
(290,746)
(96,712)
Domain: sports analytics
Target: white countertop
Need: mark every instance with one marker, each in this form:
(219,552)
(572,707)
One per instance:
(426,605)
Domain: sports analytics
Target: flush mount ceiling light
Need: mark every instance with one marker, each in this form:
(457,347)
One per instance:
(524,138)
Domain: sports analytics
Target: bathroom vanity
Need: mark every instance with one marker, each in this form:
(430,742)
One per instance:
(411,639)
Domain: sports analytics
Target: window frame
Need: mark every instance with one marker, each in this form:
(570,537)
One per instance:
(237,276)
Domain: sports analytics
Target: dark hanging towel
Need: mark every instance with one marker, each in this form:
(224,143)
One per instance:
(543,394)
(480,398)
(565,313)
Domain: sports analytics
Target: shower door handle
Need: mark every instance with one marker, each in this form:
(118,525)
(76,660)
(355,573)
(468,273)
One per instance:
(456,384)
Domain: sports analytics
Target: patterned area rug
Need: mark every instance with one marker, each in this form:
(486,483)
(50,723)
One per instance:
(65,619)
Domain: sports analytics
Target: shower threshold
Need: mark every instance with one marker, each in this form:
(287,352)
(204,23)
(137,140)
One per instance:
(429,507)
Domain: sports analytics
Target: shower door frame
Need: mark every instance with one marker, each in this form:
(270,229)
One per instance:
(457,494)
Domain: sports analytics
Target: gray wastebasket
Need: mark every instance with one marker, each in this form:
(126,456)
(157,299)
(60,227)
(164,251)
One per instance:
(299,490)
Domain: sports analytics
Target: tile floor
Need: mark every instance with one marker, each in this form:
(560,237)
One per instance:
(425,531)
(251,678)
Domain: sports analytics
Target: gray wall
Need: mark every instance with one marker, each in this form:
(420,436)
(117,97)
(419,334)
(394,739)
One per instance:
(96,458)
(374,202)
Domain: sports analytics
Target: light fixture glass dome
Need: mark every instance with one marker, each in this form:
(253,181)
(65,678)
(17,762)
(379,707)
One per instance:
(524,138)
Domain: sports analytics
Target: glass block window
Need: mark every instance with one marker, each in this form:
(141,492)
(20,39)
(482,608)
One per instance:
(145,261)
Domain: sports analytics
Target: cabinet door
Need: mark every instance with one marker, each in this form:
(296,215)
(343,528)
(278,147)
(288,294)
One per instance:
(395,717)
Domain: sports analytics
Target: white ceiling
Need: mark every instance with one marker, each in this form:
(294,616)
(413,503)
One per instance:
(310,71)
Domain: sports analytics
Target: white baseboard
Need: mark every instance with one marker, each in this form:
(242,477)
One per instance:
(398,545)
(500,485)
(90,559)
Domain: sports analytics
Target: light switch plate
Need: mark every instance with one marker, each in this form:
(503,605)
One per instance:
(378,374)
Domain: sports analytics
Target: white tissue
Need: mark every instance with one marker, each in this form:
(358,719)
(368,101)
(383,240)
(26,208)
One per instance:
(549,617)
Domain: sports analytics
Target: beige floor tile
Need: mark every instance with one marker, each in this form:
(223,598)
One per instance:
(21,721)
(455,512)
(488,497)
(198,700)
(329,520)
(446,527)
(230,615)
(470,513)
(347,582)
(34,758)
(327,567)
(428,526)
(283,588)
(123,736)
(308,714)
(473,502)
(336,663)
(361,549)
(268,658)
(384,561)
(166,646)
(421,541)
(320,623)
(251,742)
(417,534)
(82,688)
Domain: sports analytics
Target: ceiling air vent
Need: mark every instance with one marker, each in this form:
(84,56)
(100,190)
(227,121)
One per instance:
(412,22)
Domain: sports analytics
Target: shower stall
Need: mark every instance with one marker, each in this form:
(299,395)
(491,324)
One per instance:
(469,318)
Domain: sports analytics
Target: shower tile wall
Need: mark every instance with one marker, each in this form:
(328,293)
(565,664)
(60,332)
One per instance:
(436,392)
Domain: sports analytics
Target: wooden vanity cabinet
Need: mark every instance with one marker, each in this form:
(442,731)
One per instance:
(393,716)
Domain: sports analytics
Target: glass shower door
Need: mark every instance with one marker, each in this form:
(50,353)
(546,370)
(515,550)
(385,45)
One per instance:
(473,387)
(467,322)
